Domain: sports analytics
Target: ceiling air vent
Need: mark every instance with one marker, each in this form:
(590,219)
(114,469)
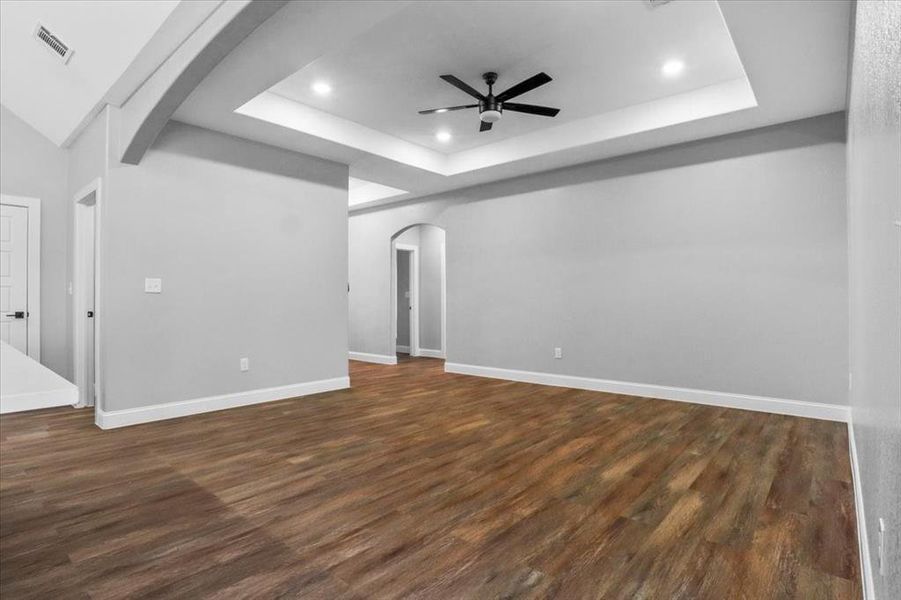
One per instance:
(52,43)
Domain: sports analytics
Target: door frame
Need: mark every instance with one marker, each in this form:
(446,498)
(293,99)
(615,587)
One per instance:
(33,283)
(414,295)
(78,296)
(444,298)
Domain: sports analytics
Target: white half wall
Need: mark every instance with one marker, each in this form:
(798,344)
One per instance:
(26,384)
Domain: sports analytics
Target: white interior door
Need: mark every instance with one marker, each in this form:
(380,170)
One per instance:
(14,276)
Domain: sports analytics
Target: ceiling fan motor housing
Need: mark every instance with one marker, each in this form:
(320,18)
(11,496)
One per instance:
(490,110)
(491,107)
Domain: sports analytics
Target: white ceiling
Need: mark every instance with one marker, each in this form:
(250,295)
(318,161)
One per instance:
(794,54)
(602,55)
(106,37)
(575,40)
(749,63)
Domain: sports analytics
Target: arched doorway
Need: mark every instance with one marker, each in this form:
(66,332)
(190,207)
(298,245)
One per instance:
(419,292)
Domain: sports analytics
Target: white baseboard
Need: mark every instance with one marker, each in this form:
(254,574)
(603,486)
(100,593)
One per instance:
(866,567)
(402,349)
(797,408)
(172,410)
(381,359)
(431,353)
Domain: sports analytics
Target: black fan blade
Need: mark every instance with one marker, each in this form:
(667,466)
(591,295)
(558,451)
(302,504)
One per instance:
(432,111)
(524,86)
(544,111)
(483,126)
(463,86)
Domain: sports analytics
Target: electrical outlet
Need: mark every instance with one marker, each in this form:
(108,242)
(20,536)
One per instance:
(245,364)
(153,285)
(558,352)
(881,550)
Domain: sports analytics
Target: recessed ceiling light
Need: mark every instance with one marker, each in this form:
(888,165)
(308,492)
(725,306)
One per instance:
(440,110)
(672,68)
(322,88)
(443,136)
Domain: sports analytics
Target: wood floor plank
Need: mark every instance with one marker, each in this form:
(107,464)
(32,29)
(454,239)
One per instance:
(415,483)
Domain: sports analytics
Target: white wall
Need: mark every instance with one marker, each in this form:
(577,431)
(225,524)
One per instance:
(717,265)
(409,236)
(874,206)
(251,244)
(31,165)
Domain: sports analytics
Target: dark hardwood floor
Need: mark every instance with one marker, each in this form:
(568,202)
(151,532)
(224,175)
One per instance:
(420,484)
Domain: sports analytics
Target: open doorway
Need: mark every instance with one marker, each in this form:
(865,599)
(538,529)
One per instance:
(85,292)
(406,337)
(418,292)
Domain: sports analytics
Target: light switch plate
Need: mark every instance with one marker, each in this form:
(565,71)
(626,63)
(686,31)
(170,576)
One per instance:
(153,285)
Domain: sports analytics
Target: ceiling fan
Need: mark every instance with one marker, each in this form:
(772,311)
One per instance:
(492,107)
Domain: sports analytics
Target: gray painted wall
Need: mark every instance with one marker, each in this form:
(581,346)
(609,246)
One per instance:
(88,156)
(717,265)
(251,244)
(874,202)
(409,236)
(31,165)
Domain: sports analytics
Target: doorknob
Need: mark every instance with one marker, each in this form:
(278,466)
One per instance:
(19,314)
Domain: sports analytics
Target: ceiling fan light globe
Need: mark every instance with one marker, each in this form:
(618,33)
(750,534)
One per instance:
(490,116)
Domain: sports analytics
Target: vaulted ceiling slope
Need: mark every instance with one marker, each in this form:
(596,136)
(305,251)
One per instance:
(115,46)
(344,80)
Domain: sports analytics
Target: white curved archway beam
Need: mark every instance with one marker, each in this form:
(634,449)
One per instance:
(148,110)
